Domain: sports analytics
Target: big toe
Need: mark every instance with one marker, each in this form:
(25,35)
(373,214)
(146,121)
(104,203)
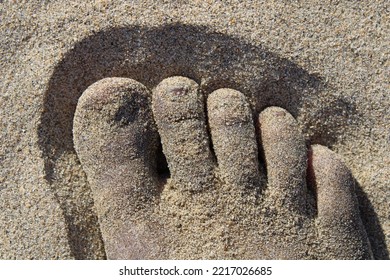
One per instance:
(116,142)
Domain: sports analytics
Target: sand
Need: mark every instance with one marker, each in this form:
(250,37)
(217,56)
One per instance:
(327,64)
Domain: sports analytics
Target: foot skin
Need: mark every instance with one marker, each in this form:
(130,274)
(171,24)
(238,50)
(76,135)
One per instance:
(218,203)
(115,138)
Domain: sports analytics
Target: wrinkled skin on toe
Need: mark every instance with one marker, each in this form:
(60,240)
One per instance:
(232,193)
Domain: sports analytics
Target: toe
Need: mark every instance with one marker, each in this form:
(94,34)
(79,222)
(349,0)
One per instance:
(178,108)
(234,138)
(116,142)
(285,158)
(339,222)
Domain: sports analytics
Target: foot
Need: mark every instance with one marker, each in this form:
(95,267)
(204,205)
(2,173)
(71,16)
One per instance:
(219,202)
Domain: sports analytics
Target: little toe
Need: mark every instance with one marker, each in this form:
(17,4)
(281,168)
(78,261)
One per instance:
(116,142)
(234,138)
(178,108)
(285,158)
(339,223)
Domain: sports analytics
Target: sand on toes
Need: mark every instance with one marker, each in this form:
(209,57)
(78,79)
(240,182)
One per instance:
(219,203)
(178,111)
(339,225)
(285,159)
(234,139)
(116,142)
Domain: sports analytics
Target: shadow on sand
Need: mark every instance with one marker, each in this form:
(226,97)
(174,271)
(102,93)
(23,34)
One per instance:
(149,55)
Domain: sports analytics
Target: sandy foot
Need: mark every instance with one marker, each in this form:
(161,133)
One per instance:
(240,187)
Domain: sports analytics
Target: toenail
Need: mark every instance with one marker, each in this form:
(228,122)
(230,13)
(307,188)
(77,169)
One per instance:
(179,91)
(280,114)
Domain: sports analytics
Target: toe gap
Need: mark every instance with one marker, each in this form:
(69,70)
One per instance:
(311,184)
(260,151)
(211,145)
(163,171)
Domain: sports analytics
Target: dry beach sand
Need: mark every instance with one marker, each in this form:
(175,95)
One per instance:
(324,62)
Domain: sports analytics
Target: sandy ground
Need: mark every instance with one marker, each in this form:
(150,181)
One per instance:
(325,62)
